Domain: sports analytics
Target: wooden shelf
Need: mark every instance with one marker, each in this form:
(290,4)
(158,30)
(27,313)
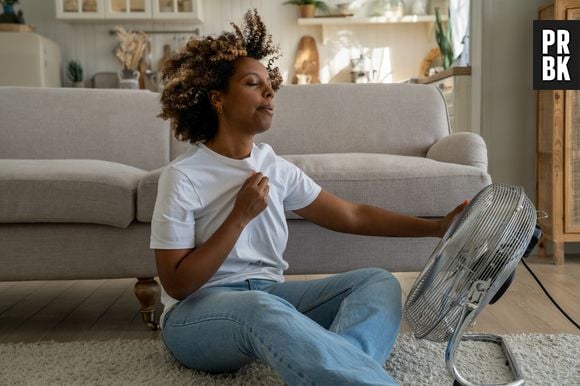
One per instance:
(350,20)
(452,71)
(13,27)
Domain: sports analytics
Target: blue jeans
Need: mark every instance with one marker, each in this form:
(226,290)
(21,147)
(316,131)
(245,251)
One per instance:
(334,331)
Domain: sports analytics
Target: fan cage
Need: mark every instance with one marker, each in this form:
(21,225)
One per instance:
(483,246)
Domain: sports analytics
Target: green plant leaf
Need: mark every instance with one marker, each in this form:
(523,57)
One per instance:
(74,71)
(443,39)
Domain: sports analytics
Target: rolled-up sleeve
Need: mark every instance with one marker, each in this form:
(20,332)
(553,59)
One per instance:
(173,222)
(301,189)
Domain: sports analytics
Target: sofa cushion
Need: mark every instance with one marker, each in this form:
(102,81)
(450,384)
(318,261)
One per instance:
(394,118)
(77,191)
(81,123)
(416,186)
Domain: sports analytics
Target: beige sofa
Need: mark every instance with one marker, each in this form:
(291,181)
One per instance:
(79,169)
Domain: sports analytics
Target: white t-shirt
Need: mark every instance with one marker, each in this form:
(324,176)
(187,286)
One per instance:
(197,192)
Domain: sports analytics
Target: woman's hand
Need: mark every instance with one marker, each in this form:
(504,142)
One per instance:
(446,221)
(184,271)
(252,198)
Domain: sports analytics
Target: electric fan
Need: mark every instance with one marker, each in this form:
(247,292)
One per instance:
(472,266)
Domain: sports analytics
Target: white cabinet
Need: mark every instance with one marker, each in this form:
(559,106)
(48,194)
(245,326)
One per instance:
(176,9)
(79,9)
(30,60)
(143,10)
(128,9)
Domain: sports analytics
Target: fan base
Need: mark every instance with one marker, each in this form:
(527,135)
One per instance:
(510,360)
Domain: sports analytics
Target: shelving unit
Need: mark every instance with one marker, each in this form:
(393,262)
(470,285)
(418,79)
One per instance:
(329,22)
(351,20)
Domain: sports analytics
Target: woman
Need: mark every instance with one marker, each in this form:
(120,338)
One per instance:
(219,233)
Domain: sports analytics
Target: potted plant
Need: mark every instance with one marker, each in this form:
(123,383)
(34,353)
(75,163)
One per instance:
(307,8)
(74,72)
(8,15)
(443,38)
(8,5)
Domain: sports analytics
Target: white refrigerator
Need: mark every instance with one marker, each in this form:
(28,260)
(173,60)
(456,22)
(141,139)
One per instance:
(28,59)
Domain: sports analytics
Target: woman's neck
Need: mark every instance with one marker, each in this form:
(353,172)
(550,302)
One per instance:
(231,147)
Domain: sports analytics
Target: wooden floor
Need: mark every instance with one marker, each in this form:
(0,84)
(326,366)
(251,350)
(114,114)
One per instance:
(108,309)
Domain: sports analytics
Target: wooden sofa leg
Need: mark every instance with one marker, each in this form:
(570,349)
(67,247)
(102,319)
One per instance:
(147,291)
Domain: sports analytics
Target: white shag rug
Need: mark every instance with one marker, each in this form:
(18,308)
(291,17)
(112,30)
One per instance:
(543,359)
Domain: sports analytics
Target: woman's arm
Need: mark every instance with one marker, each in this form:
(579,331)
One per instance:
(339,215)
(183,271)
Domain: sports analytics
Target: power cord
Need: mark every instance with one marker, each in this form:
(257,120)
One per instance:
(550,296)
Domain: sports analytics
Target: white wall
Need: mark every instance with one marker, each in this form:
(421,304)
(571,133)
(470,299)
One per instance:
(508,107)
(508,113)
(91,44)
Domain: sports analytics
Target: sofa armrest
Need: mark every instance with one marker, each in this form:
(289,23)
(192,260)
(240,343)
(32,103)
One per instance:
(147,194)
(460,148)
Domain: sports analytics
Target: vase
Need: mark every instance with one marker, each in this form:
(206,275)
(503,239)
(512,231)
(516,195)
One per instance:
(306,10)
(129,79)
(303,78)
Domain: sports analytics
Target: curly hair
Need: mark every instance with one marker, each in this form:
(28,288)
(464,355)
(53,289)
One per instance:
(207,64)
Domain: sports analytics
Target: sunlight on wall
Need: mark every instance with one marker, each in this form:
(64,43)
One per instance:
(342,48)
(381,59)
